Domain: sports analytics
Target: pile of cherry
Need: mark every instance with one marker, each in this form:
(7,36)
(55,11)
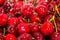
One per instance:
(29,19)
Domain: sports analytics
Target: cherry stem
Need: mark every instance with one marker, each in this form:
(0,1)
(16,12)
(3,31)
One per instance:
(4,30)
(56,8)
(54,23)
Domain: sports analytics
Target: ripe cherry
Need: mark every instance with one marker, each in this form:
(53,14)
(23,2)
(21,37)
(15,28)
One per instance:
(13,21)
(10,37)
(27,11)
(3,19)
(55,36)
(23,28)
(25,36)
(34,27)
(41,9)
(47,28)
(35,18)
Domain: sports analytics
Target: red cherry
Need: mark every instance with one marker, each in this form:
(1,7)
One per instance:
(55,36)
(47,18)
(27,10)
(38,36)
(34,27)
(10,37)
(3,19)
(18,5)
(35,18)
(42,9)
(20,19)
(13,21)
(47,28)
(2,2)
(25,36)
(23,28)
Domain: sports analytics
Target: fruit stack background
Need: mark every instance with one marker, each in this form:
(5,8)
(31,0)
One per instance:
(29,19)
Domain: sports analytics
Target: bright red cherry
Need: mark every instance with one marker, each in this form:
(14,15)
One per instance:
(41,9)
(25,36)
(2,2)
(27,10)
(10,37)
(35,18)
(47,28)
(55,36)
(13,21)
(23,28)
(34,27)
(3,19)
(18,5)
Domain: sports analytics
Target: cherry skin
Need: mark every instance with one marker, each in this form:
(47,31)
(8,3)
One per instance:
(18,5)
(38,36)
(11,29)
(25,36)
(3,19)
(47,28)
(27,10)
(35,18)
(23,28)
(2,2)
(47,18)
(34,27)
(21,19)
(55,36)
(13,21)
(10,37)
(41,9)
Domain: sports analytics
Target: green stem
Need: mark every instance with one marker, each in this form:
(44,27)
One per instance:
(54,23)
(4,30)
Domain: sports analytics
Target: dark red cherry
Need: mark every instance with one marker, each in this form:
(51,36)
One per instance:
(55,36)
(38,36)
(25,36)
(34,27)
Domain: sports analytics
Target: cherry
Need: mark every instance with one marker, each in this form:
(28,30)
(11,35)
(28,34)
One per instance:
(13,21)
(8,5)
(47,18)
(3,19)
(41,9)
(23,28)
(2,11)
(27,11)
(10,37)
(1,37)
(55,36)
(18,5)
(47,28)
(58,1)
(11,29)
(34,27)
(38,36)
(35,18)
(21,19)
(25,36)
(2,2)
